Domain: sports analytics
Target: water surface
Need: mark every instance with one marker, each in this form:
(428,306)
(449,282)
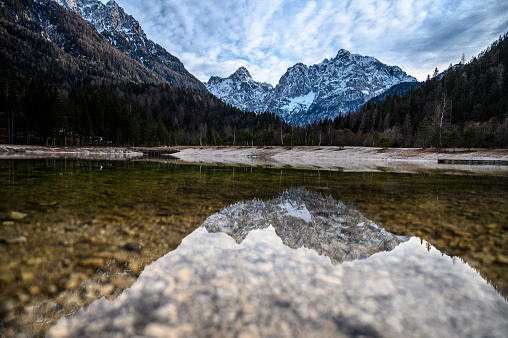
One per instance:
(86,230)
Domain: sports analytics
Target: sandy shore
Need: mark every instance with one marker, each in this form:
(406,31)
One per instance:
(348,159)
(321,158)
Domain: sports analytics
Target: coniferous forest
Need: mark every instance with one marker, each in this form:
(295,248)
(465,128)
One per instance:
(72,102)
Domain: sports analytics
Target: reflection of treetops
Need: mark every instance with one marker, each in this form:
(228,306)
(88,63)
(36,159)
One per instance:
(306,219)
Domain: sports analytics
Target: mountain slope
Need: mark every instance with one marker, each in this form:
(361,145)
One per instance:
(125,33)
(308,94)
(42,39)
(398,89)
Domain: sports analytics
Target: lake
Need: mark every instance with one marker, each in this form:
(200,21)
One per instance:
(155,248)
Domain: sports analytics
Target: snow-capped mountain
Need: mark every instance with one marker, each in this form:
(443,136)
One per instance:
(307,94)
(241,90)
(306,219)
(125,33)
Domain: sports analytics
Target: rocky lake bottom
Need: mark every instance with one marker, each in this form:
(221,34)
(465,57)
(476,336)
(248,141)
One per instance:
(129,248)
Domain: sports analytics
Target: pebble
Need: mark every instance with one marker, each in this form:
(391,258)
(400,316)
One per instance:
(159,331)
(17,215)
(14,240)
(8,305)
(52,289)
(27,276)
(34,290)
(8,223)
(7,276)
(92,262)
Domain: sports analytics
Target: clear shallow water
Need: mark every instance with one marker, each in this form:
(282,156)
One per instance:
(92,228)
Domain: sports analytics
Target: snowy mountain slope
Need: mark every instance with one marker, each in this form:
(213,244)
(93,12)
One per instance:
(308,94)
(241,90)
(125,33)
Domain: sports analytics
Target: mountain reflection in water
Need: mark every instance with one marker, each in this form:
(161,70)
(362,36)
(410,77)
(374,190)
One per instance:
(305,219)
(275,281)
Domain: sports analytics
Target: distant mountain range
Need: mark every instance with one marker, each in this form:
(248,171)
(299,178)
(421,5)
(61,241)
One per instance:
(309,94)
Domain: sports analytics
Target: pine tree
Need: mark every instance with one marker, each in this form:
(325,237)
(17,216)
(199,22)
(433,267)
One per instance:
(423,131)
(470,137)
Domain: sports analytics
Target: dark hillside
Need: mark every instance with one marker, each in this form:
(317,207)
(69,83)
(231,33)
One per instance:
(42,39)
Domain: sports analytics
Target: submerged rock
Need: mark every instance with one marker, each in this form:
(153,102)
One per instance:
(305,219)
(17,215)
(13,240)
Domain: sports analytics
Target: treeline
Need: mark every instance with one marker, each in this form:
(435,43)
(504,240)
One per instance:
(36,112)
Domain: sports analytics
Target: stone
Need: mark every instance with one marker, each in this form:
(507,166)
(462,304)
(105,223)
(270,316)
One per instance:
(27,276)
(17,215)
(92,262)
(14,240)
(8,223)
(7,276)
(34,290)
(159,330)
(52,289)
(8,305)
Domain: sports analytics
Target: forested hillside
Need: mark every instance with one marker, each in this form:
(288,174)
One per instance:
(467,106)
(36,112)
(61,82)
(42,39)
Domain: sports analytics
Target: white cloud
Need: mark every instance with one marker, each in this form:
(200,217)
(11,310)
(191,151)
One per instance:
(268,36)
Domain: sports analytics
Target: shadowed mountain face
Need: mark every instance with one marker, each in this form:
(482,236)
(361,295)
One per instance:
(305,219)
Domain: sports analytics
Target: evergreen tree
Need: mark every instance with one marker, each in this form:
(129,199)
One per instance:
(424,131)
(470,137)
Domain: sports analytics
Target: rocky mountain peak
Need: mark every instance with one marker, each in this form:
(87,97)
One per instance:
(306,219)
(241,73)
(307,94)
(343,53)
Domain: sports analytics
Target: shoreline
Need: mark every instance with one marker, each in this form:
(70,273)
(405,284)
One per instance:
(86,152)
(298,157)
(408,160)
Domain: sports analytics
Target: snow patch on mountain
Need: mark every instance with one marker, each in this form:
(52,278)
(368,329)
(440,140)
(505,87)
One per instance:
(300,103)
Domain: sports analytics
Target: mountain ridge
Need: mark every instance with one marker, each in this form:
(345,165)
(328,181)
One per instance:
(306,94)
(58,45)
(124,32)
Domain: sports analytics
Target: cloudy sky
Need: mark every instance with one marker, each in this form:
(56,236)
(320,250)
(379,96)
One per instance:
(214,37)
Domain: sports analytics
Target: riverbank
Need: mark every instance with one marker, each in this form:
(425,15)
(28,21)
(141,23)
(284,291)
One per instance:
(27,151)
(347,159)
(320,158)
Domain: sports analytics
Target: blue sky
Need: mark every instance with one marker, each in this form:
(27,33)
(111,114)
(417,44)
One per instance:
(213,37)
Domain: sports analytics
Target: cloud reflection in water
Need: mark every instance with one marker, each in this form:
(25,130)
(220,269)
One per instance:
(259,285)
